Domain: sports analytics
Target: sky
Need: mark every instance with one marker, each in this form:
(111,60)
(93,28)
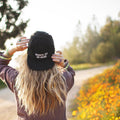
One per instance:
(60,17)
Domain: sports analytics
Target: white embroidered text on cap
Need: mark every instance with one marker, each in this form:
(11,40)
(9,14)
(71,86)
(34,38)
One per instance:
(44,55)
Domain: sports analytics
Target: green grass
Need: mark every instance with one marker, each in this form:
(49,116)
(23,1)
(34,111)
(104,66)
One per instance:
(2,85)
(89,65)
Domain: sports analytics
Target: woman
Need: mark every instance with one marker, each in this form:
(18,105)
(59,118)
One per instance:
(42,80)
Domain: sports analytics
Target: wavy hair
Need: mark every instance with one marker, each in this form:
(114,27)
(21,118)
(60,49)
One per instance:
(39,91)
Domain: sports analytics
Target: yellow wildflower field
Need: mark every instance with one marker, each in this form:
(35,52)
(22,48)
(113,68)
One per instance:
(99,97)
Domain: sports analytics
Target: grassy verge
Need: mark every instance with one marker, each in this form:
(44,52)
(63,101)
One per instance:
(99,97)
(2,85)
(89,65)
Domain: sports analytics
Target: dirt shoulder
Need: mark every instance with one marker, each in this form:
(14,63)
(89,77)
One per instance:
(7,105)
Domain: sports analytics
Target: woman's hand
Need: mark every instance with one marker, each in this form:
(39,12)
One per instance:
(58,58)
(21,45)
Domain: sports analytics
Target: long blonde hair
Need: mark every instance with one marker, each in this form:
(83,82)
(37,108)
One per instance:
(39,91)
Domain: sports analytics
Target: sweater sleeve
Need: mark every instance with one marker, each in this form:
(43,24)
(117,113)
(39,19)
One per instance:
(7,73)
(69,74)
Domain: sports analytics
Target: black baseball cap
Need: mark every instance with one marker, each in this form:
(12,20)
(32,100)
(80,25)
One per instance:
(40,49)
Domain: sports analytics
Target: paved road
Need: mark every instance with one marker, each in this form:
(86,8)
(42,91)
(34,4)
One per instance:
(8,104)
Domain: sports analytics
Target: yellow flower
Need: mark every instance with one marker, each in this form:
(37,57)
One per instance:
(74,113)
(83,115)
(116,118)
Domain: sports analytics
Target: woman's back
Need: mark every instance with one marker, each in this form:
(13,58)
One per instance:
(39,86)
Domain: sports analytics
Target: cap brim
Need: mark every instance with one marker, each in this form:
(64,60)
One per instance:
(36,64)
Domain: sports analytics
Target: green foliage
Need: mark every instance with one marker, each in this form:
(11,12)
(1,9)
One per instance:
(103,53)
(90,40)
(83,66)
(94,46)
(73,53)
(11,25)
(2,85)
(110,32)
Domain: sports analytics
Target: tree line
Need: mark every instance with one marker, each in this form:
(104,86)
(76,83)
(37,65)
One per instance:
(96,46)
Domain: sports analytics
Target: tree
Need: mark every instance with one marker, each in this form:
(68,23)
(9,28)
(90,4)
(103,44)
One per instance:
(103,53)
(110,32)
(90,40)
(73,52)
(11,25)
(78,32)
(119,14)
